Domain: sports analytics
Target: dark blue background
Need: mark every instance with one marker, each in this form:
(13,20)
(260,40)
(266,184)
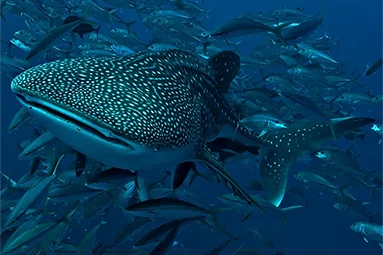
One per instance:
(317,231)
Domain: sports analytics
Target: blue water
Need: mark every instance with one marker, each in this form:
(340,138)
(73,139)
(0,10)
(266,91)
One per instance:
(320,230)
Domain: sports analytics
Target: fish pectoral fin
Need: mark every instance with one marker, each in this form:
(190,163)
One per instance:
(365,239)
(216,166)
(262,133)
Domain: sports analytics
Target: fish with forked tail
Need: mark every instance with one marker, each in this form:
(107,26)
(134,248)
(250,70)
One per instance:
(290,144)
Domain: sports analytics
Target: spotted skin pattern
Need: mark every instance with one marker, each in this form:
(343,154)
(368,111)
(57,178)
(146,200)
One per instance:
(170,100)
(288,145)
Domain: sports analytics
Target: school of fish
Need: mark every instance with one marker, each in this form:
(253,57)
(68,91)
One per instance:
(122,125)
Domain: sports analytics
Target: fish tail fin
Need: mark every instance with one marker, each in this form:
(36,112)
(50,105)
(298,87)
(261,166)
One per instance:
(195,173)
(10,183)
(342,188)
(364,181)
(331,103)
(235,45)
(3,3)
(373,190)
(199,21)
(207,13)
(283,211)
(332,129)
(86,12)
(245,216)
(54,170)
(98,29)
(283,217)
(206,44)
(213,164)
(181,173)
(235,130)
(355,79)
(277,31)
(68,215)
(321,18)
(9,46)
(128,24)
(217,211)
(337,43)
(239,250)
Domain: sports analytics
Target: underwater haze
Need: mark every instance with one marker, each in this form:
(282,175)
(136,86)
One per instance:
(241,127)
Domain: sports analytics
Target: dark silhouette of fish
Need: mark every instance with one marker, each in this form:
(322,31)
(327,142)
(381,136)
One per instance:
(83,28)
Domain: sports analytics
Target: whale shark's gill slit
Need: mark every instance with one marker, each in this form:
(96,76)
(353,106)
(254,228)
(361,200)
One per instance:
(64,117)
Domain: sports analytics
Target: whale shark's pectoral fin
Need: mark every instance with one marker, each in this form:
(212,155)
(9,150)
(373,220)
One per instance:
(216,166)
(274,170)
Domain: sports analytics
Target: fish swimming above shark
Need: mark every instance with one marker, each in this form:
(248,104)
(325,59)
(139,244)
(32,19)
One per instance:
(147,111)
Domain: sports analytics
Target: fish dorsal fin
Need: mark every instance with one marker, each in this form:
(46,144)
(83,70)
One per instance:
(225,66)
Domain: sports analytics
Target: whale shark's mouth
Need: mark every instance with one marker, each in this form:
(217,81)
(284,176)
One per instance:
(55,112)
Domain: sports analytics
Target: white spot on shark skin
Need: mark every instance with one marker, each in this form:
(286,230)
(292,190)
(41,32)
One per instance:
(160,106)
(274,178)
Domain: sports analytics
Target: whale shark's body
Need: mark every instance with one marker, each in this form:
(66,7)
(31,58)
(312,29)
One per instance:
(143,112)
(159,109)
